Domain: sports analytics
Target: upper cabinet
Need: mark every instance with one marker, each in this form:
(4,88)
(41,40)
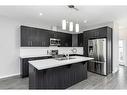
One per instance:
(80,40)
(96,33)
(35,37)
(77,40)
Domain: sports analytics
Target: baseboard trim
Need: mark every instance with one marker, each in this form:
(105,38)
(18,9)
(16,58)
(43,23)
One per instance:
(10,77)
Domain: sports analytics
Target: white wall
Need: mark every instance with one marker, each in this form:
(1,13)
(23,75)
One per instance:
(123,33)
(115,47)
(9,48)
(10,45)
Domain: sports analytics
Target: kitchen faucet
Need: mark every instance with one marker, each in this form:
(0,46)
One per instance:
(67,55)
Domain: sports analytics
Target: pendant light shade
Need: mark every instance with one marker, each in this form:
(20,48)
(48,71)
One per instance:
(64,24)
(77,28)
(71,26)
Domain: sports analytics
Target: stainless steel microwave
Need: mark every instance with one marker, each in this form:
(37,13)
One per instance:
(54,42)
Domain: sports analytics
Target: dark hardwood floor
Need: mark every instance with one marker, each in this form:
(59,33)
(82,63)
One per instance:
(94,81)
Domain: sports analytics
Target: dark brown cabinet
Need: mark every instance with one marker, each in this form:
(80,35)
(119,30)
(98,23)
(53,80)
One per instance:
(104,32)
(77,40)
(24,67)
(25,36)
(58,77)
(80,40)
(53,34)
(36,37)
(24,64)
(65,38)
(33,37)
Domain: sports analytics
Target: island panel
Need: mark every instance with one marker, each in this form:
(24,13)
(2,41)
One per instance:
(60,77)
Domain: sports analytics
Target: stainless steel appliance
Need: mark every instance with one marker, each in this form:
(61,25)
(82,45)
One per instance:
(54,53)
(97,50)
(54,42)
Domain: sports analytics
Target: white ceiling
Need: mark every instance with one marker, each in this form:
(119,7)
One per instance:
(52,15)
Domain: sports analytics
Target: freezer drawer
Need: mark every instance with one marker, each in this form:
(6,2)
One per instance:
(97,67)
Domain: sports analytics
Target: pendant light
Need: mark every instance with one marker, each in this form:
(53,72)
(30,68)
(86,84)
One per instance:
(71,26)
(64,24)
(77,28)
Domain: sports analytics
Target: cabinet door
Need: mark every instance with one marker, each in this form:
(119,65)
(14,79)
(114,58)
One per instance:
(93,34)
(62,39)
(29,36)
(85,42)
(80,40)
(102,33)
(26,37)
(24,33)
(40,37)
(68,40)
(74,40)
(35,37)
(44,38)
(24,65)
(53,34)
(86,35)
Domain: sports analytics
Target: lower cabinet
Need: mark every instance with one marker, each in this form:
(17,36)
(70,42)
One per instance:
(57,78)
(24,65)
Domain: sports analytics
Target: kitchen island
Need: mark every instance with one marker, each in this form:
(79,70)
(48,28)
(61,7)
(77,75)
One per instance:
(57,73)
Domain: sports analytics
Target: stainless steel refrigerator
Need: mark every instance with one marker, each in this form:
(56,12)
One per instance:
(97,50)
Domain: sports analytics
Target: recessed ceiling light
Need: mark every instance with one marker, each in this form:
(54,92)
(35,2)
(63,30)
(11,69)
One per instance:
(85,21)
(41,14)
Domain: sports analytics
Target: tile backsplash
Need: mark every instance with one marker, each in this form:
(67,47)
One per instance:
(42,51)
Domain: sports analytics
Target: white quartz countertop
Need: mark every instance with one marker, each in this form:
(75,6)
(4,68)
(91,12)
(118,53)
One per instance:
(52,62)
(28,56)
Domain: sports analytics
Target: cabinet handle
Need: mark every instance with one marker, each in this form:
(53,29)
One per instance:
(31,43)
(42,43)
